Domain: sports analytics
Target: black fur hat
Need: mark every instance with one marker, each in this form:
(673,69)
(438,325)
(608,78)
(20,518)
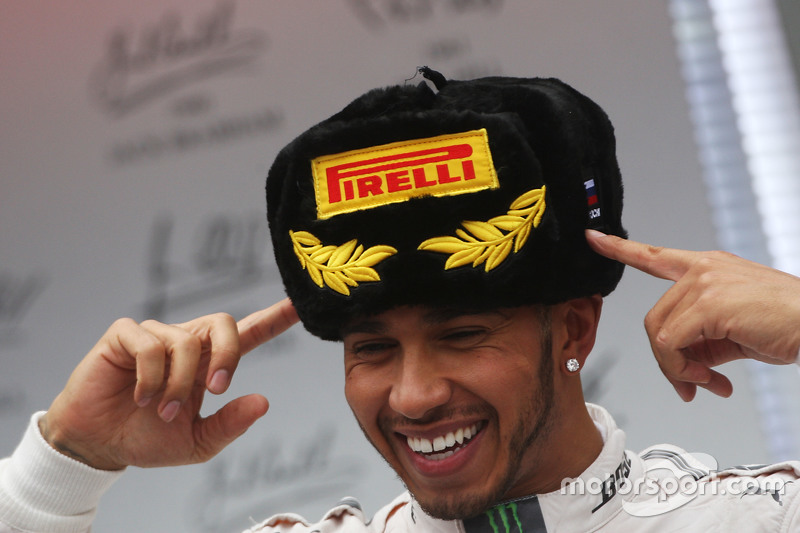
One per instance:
(473,195)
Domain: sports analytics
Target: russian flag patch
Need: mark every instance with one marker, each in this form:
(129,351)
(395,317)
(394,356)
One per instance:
(592,201)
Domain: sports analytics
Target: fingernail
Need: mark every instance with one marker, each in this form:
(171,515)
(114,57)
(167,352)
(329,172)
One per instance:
(144,401)
(687,395)
(219,381)
(594,233)
(170,410)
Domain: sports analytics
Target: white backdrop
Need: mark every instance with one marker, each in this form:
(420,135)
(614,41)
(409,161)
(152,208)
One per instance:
(134,142)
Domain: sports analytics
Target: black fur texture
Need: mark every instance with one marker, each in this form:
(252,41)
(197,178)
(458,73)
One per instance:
(541,132)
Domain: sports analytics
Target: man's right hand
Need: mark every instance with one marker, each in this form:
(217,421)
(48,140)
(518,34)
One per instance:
(136,396)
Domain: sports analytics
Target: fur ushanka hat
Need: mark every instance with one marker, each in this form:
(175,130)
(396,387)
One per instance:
(474,195)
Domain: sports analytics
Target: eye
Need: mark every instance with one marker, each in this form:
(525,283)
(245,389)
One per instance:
(372,349)
(464,334)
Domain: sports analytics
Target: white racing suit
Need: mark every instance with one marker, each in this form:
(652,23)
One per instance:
(660,490)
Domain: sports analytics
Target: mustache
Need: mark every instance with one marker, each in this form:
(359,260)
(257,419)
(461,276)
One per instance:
(388,423)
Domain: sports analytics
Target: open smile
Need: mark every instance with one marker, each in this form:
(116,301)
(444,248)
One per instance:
(446,445)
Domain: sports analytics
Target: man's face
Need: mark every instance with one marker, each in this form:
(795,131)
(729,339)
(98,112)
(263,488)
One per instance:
(460,405)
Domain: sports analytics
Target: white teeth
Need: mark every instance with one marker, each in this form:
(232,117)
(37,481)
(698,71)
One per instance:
(440,456)
(423,445)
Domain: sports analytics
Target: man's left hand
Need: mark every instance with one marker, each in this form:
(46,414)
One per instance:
(721,308)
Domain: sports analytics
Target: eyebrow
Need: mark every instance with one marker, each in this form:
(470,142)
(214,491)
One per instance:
(367,325)
(435,316)
(444,314)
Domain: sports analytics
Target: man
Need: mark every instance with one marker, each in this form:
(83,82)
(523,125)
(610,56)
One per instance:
(446,237)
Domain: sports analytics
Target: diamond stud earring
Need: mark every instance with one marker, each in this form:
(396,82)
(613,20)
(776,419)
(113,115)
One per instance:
(573,365)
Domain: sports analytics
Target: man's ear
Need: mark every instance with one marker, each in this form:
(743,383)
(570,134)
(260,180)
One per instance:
(580,317)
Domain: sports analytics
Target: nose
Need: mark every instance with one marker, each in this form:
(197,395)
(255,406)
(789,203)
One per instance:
(420,385)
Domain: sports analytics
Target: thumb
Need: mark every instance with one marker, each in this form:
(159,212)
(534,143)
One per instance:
(215,432)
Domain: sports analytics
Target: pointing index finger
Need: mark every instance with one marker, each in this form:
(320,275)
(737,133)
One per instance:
(261,326)
(664,263)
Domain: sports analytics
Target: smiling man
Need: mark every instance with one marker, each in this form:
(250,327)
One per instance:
(439,233)
(462,407)
(445,235)
(466,407)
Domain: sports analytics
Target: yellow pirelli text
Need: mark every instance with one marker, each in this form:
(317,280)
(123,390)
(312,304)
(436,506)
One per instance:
(445,165)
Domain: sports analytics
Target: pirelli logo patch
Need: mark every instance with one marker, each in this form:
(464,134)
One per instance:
(370,177)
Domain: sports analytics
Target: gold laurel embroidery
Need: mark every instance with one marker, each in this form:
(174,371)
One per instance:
(485,242)
(338,267)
